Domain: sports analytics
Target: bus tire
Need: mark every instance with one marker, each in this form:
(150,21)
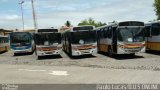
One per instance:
(35,53)
(6,49)
(38,57)
(132,54)
(15,54)
(110,52)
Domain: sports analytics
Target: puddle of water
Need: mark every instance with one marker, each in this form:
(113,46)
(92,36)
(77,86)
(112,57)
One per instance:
(56,73)
(59,73)
(31,70)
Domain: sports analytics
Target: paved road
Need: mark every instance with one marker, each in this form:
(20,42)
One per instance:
(26,74)
(142,68)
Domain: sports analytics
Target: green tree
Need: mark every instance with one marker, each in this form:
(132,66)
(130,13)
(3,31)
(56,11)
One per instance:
(68,23)
(91,21)
(83,22)
(157,8)
(100,24)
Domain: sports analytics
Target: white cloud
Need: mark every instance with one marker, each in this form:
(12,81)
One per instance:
(3,0)
(54,13)
(12,17)
(10,21)
(141,10)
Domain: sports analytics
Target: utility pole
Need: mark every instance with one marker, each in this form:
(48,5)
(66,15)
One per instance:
(21,3)
(34,15)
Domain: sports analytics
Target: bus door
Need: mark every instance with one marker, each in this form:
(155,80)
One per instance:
(98,39)
(114,38)
(68,42)
(148,36)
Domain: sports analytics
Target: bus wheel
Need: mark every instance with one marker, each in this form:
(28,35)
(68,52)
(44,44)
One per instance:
(15,54)
(5,48)
(39,57)
(35,52)
(110,53)
(132,54)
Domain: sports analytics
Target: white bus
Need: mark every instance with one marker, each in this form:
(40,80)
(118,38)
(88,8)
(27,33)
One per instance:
(121,38)
(79,41)
(48,42)
(153,36)
(22,42)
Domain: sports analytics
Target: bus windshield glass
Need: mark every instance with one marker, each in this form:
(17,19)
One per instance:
(156,29)
(21,38)
(130,35)
(83,37)
(48,39)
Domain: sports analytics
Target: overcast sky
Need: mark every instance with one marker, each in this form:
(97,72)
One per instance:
(54,13)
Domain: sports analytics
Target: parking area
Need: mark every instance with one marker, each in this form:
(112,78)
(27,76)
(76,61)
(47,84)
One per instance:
(141,61)
(89,69)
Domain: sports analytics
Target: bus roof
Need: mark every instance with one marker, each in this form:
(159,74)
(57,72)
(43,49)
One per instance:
(131,23)
(150,23)
(80,28)
(123,23)
(21,32)
(83,28)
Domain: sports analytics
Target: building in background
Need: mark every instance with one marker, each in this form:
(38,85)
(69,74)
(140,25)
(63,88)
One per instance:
(5,32)
(63,28)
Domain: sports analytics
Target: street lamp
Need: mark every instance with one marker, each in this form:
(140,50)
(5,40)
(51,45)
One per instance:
(22,13)
(34,15)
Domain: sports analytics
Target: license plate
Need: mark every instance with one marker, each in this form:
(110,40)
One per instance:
(85,50)
(48,52)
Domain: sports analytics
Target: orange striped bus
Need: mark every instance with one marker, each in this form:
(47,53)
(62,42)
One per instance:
(126,37)
(153,35)
(4,43)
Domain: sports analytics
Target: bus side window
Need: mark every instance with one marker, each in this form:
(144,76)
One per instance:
(98,34)
(101,33)
(154,31)
(147,31)
(110,32)
(105,32)
(4,39)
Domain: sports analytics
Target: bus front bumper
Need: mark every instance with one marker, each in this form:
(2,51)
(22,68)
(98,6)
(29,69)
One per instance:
(22,51)
(130,51)
(45,53)
(84,52)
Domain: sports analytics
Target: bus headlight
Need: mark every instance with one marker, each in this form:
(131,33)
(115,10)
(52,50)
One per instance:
(59,47)
(94,45)
(75,48)
(121,46)
(39,49)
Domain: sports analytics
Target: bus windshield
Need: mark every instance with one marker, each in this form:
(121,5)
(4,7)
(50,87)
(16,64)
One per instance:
(131,35)
(21,38)
(48,39)
(83,37)
(156,29)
